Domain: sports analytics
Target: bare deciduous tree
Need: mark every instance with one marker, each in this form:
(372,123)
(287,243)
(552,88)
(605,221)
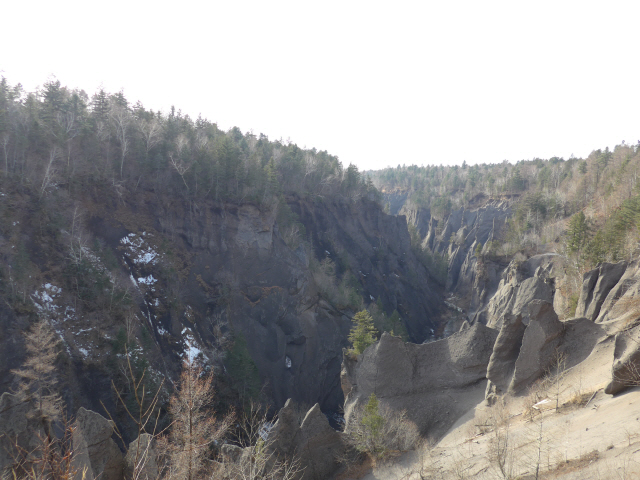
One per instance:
(121,120)
(49,170)
(151,131)
(259,460)
(39,381)
(194,426)
(501,449)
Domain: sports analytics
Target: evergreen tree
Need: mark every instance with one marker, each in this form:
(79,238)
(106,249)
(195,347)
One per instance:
(243,370)
(373,422)
(577,232)
(363,332)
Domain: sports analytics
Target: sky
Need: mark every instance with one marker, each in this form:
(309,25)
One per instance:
(376,83)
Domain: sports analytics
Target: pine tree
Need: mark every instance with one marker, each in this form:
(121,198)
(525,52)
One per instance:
(577,232)
(372,428)
(363,332)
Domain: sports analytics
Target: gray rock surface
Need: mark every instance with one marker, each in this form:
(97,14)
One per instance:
(542,337)
(504,355)
(596,285)
(524,349)
(622,303)
(513,296)
(313,444)
(317,446)
(96,453)
(425,380)
(140,462)
(625,371)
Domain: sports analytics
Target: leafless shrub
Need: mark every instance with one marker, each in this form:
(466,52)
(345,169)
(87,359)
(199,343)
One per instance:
(501,452)
(52,459)
(397,433)
(628,374)
(259,459)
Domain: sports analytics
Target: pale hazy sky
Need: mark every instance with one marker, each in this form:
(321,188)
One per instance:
(375,83)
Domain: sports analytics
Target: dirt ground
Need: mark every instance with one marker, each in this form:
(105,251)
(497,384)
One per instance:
(591,436)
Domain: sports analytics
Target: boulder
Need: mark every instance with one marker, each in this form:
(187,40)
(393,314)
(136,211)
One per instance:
(429,381)
(284,431)
(314,444)
(97,455)
(140,462)
(596,285)
(231,453)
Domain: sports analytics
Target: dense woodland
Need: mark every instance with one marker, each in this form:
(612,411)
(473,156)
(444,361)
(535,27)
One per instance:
(61,139)
(585,209)
(57,137)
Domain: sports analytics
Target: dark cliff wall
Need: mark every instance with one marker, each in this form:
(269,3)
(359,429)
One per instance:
(199,274)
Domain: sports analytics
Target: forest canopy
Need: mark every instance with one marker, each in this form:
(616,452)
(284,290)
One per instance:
(57,136)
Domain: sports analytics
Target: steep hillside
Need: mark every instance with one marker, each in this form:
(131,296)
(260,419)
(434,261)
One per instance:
(146,238)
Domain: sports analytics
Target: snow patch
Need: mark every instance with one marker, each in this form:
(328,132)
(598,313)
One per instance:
(148,280)
(138,250)
(191,350)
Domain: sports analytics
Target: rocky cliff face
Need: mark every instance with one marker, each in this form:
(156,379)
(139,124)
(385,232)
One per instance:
(457,237)
(197,275)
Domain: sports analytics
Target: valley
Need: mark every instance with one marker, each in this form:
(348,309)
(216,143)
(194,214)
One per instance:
(137,248)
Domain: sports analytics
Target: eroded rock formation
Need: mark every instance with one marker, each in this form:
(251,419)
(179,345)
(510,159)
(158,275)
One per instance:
(428,380)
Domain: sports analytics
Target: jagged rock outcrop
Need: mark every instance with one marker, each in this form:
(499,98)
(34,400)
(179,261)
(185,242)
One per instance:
(395,199)
(625,371)
(622,304)
(525,347)
(481,223)
(419,217)
(522,282)
(317,445)
(504,355)
(96,454)
(426,380)
(140,462)
(17,431)
(596,285)
(313,445)
(542,337)
(467,228)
